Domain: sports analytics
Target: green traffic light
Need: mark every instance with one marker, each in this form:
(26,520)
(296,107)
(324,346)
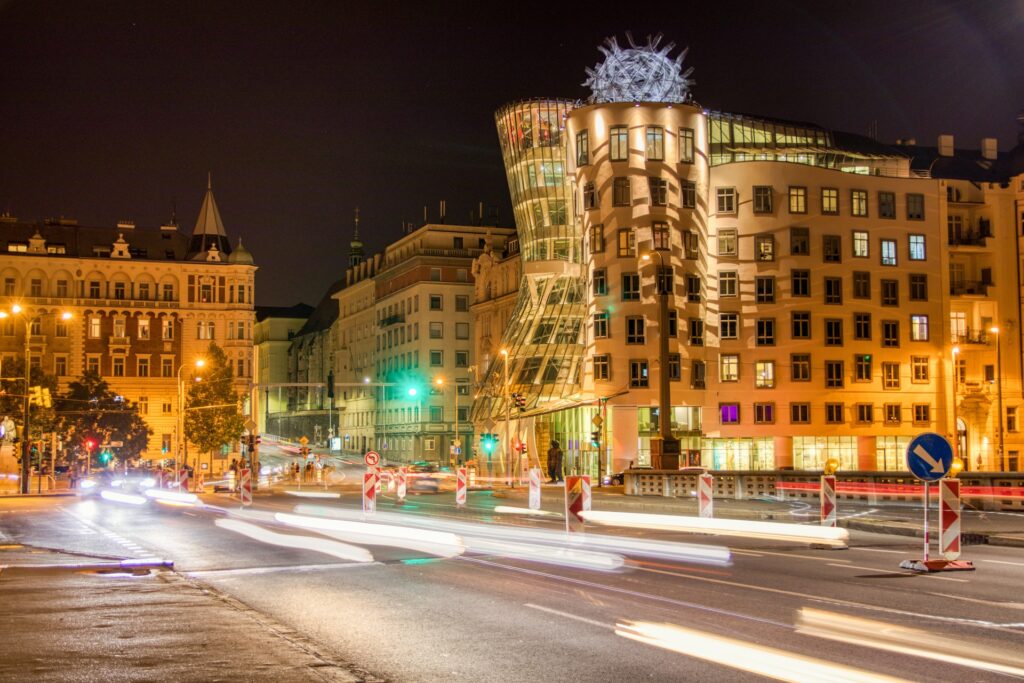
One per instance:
(412,391)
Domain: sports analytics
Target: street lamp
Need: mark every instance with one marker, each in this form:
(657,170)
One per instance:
(956,423)
(456,443)
(999,395)
(181,419)
(664,449)
(26,443)
(506,448)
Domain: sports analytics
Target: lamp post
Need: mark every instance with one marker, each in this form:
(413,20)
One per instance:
(26,443)
(507,446)
(454,459)
(664,449)
(999,395)
(180,446)
(956,421)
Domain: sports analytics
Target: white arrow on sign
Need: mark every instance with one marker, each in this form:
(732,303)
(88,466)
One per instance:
(936,465)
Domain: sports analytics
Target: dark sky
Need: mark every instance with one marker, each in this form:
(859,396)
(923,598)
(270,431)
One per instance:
(304,110)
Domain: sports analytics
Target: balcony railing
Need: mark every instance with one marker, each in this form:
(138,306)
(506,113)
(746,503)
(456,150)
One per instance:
(971,337)
(392,320)
(979,288)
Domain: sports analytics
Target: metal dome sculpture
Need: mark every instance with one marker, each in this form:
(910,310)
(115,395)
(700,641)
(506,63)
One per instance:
(641,73)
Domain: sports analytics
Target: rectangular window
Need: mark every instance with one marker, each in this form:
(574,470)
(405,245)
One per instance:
(602,367)
(589,196)
(168,292)
(461,305)
(626,242)
(697,374)
(728,283)
(800,367)
(1011,418)
(619,143)
(729,368)
(797,199)
(766,331)
(600,282)
(582,148)
(893,413)
(62,288)
(919,369)
(436,359)
(94,327)
(118,365)
(799,241)
(829,201)
(94,289)
(801,282)
(60,366)
(436,330)
(92,364)
(862,367)
(887,205)
(729,324)
(890,334)
(727,242)
(693,289)
(764,247)
(834,290)
(729,413)
(859,203)
(832,248)
(638,374)
(600,326)
(436,302)
(922,413)
(635,330)
(35,287)
(915,207)
(917,252)
(620,191)
(861,248)
(675,370)
(865,413)
(686,145)
(142,369)
(765,288)
(462,330)
(764,374)
(764,413)
(726,199)
(462,359)
(659,191)
(801,325)
(688,194)
(890,292)
(60,328)
(888,252)
(655,143)
(762,199)
(696,331)
(630,287)
(673,323)
(664,280)
(862,326)
(800,413)
(834,374)
(919,328)
(834,413)
(918,287)
(143,328)
(861,284)
(660,236)
(833,332)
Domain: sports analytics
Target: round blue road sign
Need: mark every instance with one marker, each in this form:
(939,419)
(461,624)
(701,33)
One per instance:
(929,456)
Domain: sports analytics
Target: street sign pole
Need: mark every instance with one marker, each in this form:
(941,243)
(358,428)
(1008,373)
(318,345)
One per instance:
(927,504)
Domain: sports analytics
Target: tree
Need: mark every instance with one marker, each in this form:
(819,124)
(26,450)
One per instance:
(12,396)
(212,413)
(90,411)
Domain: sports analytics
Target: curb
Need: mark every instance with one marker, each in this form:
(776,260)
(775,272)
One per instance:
(62,494)
(99,567)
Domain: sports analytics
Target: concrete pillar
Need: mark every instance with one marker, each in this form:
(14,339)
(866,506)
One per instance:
(783,446)
(623,432)
(867,453)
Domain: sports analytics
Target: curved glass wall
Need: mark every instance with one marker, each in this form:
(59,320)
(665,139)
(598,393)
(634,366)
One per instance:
(544,335)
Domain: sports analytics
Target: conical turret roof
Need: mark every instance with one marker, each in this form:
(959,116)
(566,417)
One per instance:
(209,228)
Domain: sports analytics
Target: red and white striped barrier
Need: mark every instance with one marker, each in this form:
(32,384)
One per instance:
(183,479)
(535,488)
(577,500)
(461,482)
(401,475)
(376,473)
(949,518)
(370,482)
(828,500)
(706,495)
(245,487)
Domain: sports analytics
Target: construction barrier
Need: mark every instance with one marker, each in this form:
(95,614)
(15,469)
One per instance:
(460,487)
(949,518)
(577,500)
(183,479)
(245,487)
(535,479)
(401,475)
(828,500)
(706,495)
(370,483)
(376,474)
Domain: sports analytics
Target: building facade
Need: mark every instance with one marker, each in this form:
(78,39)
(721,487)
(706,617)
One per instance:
(272,337)
(144,304)
(830,296)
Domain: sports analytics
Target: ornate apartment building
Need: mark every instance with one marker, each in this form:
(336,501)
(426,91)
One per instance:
(830,295)
(143,302)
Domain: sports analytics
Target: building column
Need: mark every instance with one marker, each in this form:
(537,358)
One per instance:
(867,453)
(624,434)
(783,446)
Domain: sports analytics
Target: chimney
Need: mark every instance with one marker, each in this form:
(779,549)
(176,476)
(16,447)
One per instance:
(945,145)
(989,148)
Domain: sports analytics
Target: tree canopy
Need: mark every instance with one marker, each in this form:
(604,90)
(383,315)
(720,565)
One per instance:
(212,412)
(90,410)
(12,396)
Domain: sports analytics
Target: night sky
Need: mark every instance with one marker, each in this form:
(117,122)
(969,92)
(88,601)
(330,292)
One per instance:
(304,110)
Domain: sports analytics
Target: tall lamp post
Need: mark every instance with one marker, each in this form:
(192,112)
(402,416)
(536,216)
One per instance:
(26,443)
(665,449)
(507,446)
(181,419)
(999,395)
(956,420)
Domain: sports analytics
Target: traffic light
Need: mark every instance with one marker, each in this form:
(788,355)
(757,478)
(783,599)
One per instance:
(46,398)
(519,401)
(89,445)
(35,395)
(595,438)
(488,442)
(105,457)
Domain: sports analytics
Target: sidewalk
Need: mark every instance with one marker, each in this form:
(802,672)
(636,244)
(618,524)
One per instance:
(82,624)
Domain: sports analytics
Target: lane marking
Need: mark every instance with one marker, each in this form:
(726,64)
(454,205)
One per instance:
(898,573)
(803,557)
(980,601)
(1015,564)
(880,550)
(574,617)
(245,571)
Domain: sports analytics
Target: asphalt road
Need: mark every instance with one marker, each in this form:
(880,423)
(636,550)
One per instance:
(395,607)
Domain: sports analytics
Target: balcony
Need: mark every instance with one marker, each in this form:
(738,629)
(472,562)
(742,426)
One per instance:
(392,320)
(968,236)
(971,337)
(969,288)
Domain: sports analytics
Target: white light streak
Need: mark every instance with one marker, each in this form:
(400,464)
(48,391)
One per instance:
(509,510)
(342,551)
(118,497)
(438,543)
(313,494)
(163,496)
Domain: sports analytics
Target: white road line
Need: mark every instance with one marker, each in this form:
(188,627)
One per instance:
(243,571)
(994,603)
(745,552)
(894,571)
(880,550)
(574,617)
(1015,564)
(802,557)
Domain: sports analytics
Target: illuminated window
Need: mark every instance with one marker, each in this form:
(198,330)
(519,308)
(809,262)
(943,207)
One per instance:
(829,200)
(94,327)
(602,367)
(729,413)
(727,242)
(728,282)
(764,247)
(655,143)
(167,329)
(888,252)
(582,148)
(619,143)
(919,328)
(860,244)
(660,236)
(917,252)
(798,200)
(638,374)
(726,199)
(686,145)
(762,199)
(764,374)
(626,242)
(859,202)
(729,368)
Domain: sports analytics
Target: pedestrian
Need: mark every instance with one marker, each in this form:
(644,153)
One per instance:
(555,463)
